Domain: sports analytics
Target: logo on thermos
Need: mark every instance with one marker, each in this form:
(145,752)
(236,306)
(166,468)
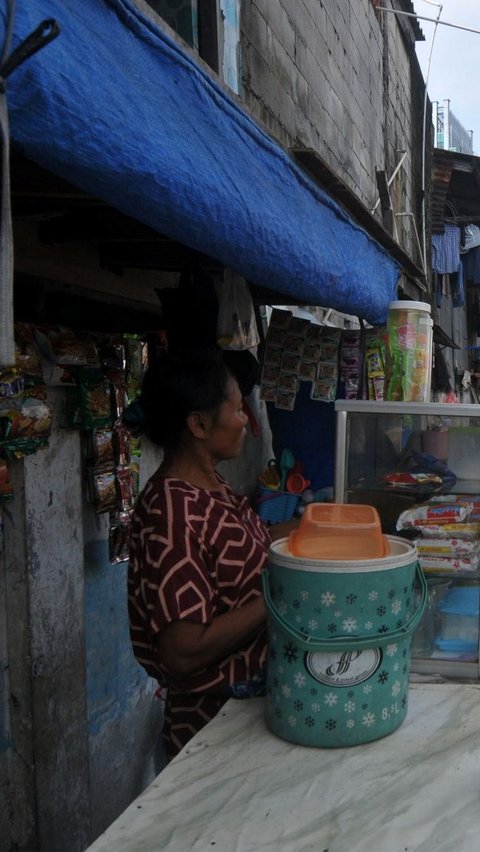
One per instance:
(343,668)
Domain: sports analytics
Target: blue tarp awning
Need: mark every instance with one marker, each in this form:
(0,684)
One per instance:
(114,106)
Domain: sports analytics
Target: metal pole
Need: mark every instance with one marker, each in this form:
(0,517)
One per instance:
(423,18)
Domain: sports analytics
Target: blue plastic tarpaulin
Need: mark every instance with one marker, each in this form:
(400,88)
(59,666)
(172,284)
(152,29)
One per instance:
(114,106)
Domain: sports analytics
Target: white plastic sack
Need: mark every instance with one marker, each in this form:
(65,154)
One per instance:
(236,324)
(471,239)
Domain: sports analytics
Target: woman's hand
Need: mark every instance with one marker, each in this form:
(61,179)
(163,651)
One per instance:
(185,647)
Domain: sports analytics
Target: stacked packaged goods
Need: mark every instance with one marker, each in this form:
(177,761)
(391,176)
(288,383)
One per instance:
(446,533)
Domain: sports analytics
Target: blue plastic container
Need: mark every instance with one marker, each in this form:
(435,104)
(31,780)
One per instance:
(339,636)
(273,507)
(459,611)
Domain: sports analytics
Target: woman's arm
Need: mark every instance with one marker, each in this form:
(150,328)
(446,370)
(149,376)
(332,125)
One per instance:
(185,647)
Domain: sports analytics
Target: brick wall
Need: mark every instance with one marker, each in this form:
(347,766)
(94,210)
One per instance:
(335,76)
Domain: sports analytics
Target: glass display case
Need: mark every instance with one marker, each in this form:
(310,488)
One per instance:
(399,456)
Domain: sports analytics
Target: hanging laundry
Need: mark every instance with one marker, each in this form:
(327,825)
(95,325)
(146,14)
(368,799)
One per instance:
(474,311)
(471,266)
(456,288)
(446,250)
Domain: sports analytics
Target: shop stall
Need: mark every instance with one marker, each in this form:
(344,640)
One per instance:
(107,227)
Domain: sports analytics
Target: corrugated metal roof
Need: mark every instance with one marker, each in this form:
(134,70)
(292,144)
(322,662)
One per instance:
(455,190)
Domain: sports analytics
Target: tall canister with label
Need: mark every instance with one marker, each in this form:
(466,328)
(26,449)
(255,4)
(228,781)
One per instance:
(409,351)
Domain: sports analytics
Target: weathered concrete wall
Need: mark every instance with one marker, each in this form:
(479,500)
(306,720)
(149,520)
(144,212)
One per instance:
(79,724)
(45,650)
(334,76)
(17,778)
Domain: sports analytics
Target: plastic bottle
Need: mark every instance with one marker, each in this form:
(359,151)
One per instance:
(409,351)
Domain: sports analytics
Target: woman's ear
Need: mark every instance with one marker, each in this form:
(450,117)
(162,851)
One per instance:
(198,423)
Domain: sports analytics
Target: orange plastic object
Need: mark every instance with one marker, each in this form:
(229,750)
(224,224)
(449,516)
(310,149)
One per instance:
(296,483)
(339,531)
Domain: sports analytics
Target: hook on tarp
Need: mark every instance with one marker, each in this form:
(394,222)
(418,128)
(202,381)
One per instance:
(46,31)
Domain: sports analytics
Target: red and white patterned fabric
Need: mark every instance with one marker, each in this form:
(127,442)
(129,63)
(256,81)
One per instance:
(195,554)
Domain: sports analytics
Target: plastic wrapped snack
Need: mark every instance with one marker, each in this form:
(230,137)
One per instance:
(450,564)
(467,531)
(6,488)
(457,547)
(102,450)
(104,492)
(119,536)
(434,514)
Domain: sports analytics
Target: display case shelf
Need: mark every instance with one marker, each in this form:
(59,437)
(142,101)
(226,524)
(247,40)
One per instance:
(377,441)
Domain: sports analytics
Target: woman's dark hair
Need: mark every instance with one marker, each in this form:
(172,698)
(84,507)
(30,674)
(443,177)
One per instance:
(174,386)
(245,367)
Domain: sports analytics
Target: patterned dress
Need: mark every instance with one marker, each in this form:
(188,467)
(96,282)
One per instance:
(195,554)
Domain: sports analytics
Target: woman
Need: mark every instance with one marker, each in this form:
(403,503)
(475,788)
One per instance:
(197,615)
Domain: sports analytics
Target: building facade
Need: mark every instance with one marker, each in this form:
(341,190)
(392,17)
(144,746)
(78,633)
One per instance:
(450,135)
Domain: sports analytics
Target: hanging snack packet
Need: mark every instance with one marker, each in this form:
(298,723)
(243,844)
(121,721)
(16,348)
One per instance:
(135,446)
(89,402)
(25,418)
(135,471)
(375,359)
(125,486)
(351,362)
(136,357)
(27,355)
(121,443)
(102,450)
(6,488)
(62,352)
(60,345)
(11,384)
(104,492)
(119,537)
(375,373)
(25,421)
(111,350)
(17,448)
(96,411)
(35,388)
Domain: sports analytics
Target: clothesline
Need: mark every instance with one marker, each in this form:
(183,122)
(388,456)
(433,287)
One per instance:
(461,220)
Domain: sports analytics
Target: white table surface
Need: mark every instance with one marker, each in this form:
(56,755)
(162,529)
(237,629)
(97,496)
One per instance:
(238,788)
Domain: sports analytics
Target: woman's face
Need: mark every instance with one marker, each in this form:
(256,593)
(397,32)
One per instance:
(228,427)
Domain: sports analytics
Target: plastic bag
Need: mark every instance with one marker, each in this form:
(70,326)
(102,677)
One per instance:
(471,238)
(236,323)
